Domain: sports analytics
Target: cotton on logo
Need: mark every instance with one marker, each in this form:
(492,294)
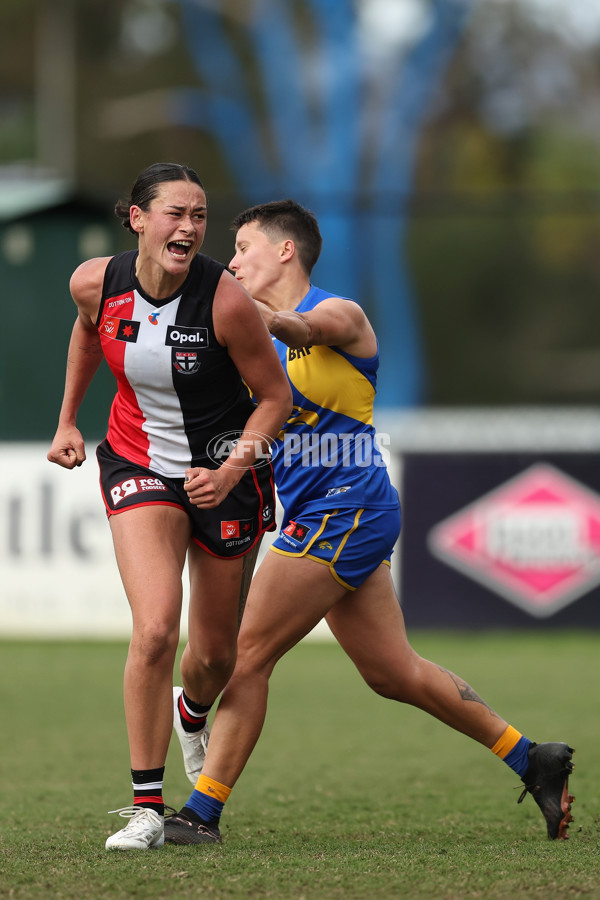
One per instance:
(535,540)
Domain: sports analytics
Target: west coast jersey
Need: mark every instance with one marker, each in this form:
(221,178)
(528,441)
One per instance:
(326,456)
(177,388)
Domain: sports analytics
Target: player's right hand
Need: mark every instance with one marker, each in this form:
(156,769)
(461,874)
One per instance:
(68,449)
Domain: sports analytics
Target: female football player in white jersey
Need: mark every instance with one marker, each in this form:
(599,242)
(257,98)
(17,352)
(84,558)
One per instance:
(184,469)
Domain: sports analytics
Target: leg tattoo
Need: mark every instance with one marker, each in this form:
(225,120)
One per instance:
(466,691)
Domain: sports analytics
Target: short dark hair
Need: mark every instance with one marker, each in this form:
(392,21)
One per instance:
(146,185)
(281,219)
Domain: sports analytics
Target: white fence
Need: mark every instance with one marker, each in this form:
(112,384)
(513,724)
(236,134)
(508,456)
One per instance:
(58,573)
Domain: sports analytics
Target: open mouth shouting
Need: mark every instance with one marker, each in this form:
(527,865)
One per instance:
(180,249)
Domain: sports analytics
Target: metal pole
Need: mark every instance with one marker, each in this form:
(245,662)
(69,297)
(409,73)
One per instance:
(55,87)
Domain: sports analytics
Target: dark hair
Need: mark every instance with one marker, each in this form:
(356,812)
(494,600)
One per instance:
(145,188)
(283,219)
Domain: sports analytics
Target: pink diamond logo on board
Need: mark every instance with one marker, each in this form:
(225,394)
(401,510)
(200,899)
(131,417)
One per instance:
(535,540)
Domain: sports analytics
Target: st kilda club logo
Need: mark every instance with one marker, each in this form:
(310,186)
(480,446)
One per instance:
(186,362)
(186,343)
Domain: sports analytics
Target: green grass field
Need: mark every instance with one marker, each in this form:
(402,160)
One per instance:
(346,796)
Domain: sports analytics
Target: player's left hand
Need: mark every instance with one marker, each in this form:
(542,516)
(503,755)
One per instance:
(205,487)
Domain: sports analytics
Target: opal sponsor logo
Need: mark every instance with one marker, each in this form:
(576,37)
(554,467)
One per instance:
(182,336)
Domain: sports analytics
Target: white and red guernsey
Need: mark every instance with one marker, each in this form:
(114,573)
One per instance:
(178,388)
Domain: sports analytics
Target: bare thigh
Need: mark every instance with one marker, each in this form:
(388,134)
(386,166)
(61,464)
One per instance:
(217,593)
(369,625)
(288,597)
(150,546)
(215,597)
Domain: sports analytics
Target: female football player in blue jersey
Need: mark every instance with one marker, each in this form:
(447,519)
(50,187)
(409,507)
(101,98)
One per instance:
(184,340)
(341,521)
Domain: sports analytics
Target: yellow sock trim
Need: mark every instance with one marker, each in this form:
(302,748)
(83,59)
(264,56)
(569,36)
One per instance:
(506,742)
(213,788)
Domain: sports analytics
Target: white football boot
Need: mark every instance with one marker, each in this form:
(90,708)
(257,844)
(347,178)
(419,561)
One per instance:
(144,831)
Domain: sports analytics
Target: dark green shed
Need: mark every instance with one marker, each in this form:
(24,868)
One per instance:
(46,230)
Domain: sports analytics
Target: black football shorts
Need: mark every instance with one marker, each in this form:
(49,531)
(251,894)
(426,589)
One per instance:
(227,531)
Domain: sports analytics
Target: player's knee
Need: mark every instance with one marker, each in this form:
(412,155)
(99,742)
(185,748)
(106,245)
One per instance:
(222,664)
(401,684)
(382,687)
(217,660)
(255,658)
(155,644)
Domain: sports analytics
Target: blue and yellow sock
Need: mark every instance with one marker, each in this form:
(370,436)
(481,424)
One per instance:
(513,748)
(208,799)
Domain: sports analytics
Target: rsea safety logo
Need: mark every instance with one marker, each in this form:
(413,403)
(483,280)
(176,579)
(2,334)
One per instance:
(535,540)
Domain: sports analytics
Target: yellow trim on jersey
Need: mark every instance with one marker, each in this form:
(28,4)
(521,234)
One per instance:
(285,552)
(506,742)
(349,587)
(329,380)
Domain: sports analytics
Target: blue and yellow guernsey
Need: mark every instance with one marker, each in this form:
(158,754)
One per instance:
(326,455)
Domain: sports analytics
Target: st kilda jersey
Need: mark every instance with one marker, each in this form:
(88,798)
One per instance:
(178,389)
